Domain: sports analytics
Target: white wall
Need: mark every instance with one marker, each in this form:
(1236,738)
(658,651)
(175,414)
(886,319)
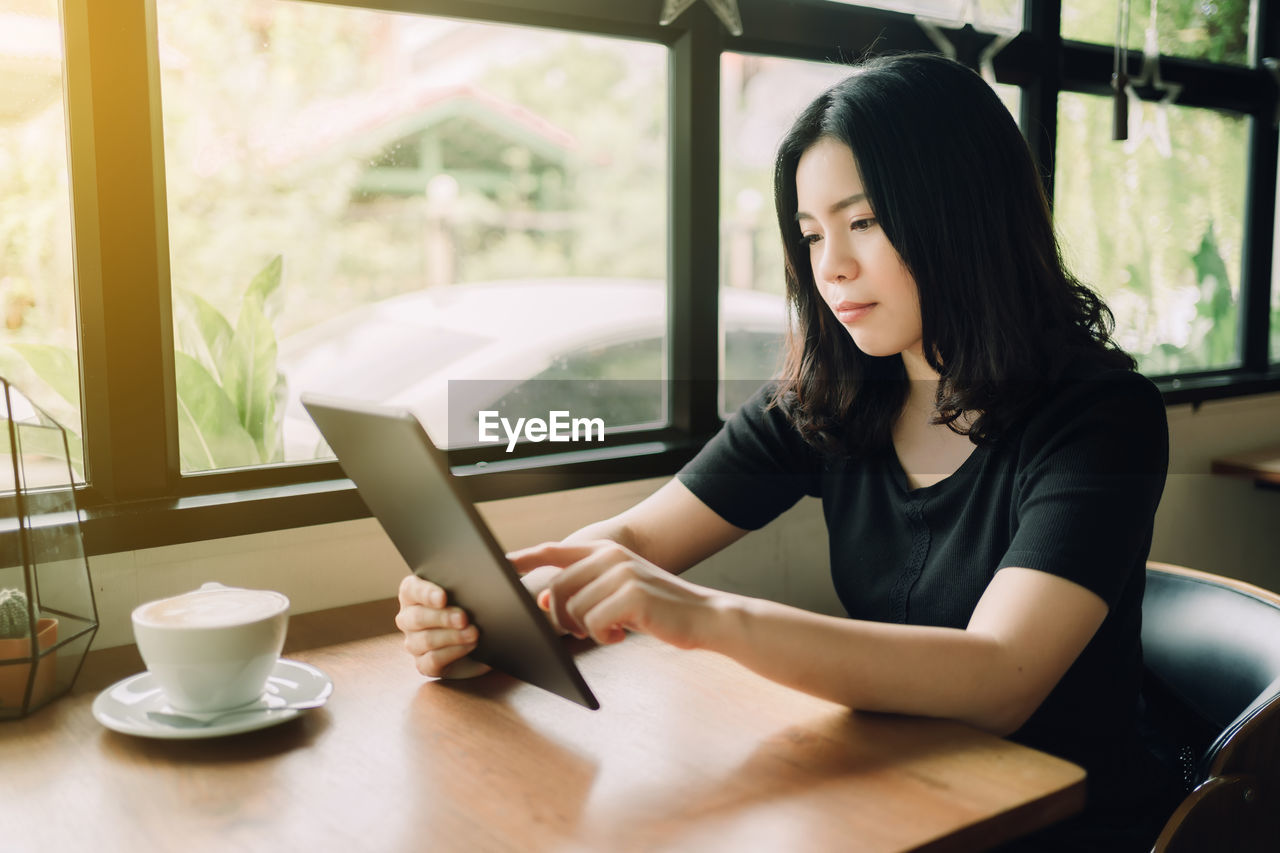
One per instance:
(1215,523)
(1220,524)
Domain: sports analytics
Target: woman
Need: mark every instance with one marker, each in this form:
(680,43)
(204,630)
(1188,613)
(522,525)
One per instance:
(988,461)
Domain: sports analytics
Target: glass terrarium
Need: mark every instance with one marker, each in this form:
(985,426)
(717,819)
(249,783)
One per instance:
(47,613)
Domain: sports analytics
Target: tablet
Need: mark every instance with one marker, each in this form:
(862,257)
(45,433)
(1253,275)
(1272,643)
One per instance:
(406,482)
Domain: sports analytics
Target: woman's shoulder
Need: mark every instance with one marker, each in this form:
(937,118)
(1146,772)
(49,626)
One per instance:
(765,417)
(1088,387)
(766,421)
(1110,404)
(769,403)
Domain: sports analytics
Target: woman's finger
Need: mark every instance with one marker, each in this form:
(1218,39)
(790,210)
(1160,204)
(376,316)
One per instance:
(436,662)
(599,559)
(608,620)
(544,604)
(423,642)
(415,590)
(558,554)
(419,618)
(584,601)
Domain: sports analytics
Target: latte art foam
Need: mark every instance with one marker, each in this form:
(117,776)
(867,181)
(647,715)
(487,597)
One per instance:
(213,608)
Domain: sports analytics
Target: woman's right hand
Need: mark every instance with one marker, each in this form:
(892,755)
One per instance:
(438,636)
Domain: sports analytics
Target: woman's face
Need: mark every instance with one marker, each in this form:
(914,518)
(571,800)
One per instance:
(858,272)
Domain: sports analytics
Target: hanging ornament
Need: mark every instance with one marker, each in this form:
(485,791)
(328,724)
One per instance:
(975,42)
(726,11)
(1150,86)
(1120,75)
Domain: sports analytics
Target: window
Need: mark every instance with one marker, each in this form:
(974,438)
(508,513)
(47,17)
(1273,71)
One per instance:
(1217,31)
(290,194)
(760,96)
(422,201)
(37,291)
(1166,235)
(1158,230)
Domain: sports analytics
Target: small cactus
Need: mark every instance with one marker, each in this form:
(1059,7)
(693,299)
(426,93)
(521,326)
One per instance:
(14,622)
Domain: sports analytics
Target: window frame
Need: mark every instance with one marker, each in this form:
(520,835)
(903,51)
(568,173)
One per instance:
(137,497)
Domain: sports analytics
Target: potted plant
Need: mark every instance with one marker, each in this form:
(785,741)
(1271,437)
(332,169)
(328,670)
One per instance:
(15,645)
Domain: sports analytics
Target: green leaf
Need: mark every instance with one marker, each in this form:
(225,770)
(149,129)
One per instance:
(251,377)
(210,434)
(201,330)
(58,367)
(1216,302)
(47,440)
(273,429)
(266,284)
(1211,275)
(1138,282)
(28,365)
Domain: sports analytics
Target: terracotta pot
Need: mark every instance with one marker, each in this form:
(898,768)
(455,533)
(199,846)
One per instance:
(13,677)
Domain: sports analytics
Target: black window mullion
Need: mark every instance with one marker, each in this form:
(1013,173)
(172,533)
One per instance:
(637,20)
(1260,209)
(1040,98)
(121,251)
(1087,68)
(693,236)
(1255,265)
(821,31)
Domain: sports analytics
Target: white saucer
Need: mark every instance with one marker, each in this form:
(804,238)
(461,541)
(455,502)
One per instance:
(123,706)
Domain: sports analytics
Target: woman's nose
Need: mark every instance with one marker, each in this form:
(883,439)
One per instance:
(836,264)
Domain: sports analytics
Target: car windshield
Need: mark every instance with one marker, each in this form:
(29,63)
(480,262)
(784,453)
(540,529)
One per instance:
(341,365)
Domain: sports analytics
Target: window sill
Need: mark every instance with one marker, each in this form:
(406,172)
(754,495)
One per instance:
(174,521)
(1198,389)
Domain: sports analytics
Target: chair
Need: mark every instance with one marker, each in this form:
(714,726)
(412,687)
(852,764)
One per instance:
(1212,644)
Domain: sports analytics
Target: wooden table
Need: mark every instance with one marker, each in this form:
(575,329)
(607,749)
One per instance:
(1262,465)
(689,752)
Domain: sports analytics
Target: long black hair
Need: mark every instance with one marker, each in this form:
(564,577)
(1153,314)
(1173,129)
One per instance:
(951,181)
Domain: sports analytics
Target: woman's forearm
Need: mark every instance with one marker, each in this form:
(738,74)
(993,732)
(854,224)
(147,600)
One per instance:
(871,666)
(1025,632)
(614,529)
(671,528)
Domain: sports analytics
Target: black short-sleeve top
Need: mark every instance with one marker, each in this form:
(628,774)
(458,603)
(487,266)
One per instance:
(1072,491)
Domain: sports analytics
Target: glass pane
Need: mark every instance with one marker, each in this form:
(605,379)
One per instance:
(1160,237)
(1217,31)
(760,98)
(375,205)
(38,346)
(1005,14)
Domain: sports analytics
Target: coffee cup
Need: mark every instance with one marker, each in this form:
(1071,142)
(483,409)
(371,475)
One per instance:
(212,648)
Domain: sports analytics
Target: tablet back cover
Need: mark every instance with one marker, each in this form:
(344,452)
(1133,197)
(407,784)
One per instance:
(406,483)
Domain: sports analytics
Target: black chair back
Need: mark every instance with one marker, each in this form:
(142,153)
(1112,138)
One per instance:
(1215,649)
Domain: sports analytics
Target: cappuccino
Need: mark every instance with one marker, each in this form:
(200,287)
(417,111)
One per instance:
(212,648)
(213,608)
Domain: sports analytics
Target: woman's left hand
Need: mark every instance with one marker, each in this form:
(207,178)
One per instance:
(606,590)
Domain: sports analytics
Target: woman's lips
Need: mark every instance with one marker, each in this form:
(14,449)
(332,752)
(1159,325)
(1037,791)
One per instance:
(852,312)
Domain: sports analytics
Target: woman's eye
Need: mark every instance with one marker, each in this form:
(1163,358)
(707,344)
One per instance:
(862,224)
(810,239)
